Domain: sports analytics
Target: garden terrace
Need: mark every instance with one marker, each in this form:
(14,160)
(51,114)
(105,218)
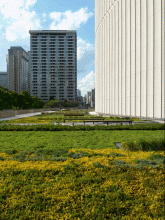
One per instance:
(51,171)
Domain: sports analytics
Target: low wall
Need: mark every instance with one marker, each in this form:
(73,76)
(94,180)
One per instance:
(12,113)
(6,114)
(19,112)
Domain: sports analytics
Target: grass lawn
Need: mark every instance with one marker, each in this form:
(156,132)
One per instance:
(96,139)
(80,175)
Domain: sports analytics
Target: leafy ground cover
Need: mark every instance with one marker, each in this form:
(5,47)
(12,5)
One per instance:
(80,174)
(82,184)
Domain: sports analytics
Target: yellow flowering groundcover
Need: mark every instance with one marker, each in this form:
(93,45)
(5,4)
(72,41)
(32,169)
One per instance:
(82,184)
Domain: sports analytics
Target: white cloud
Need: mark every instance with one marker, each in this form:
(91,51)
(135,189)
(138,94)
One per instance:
(29,3)
(69,20)
(82,47)
(20,19)
(11,9)
(87,83)
(85,55)
(44,15)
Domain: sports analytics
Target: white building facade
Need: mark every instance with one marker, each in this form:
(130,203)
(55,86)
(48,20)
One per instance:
(53,64)
(129,58)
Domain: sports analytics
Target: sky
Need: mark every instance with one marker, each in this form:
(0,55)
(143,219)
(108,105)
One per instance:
(17,17)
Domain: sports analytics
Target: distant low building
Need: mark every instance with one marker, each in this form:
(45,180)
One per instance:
(84,99)
(78,92)
(93,98)
(87,98)
(3,79)
(80,100)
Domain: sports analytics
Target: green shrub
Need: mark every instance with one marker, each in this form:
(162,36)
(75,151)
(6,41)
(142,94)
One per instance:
(156,157)
(99,165)
(120,165)
(51,127)
(2,158)
(131,145)
(10,152)
(78,155)
(115,155)
(20,156)
(142,163)
(144,145)
(56,159)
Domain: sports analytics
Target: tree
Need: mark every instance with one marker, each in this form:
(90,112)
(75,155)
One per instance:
(27,100)
(51,98)
(14,97)
(20,101)
(36,102)
(6,102)
(14,100)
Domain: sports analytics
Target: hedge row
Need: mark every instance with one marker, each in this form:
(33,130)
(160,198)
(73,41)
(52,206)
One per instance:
(50,127)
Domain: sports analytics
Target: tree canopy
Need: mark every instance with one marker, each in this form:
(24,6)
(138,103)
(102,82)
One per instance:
(14,100)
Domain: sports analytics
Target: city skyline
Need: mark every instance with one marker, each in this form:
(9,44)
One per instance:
(52,15)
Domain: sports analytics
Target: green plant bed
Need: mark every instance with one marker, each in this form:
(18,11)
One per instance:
(81,183)
(79,175)
(51,127)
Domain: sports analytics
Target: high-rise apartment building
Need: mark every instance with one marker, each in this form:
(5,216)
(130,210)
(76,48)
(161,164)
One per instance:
(130,58)
(53,64)
(17,69)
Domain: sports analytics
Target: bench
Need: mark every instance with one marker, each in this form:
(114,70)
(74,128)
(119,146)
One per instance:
(83,119)
(73,114)
(130,122)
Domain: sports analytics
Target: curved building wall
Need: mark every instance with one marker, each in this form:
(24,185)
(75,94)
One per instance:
(129,58)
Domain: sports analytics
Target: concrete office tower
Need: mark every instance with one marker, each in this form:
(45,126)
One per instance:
(53,64)
(3,79)
(17,69)
(129,57)
(28,79)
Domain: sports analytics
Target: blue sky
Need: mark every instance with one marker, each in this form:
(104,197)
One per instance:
(17,17)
